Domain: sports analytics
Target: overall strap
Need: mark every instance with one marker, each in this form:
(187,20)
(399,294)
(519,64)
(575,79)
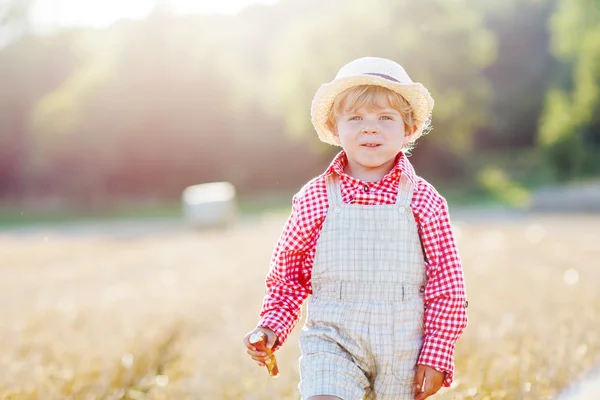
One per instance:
(334,193)
(405,191)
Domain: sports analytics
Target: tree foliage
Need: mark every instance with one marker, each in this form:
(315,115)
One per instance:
(145,108)
(440,43)
(570,125)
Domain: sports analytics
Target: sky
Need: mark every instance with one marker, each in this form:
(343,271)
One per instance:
(48,15)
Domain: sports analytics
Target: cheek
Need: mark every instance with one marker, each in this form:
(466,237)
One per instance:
(345,131)
(395,130)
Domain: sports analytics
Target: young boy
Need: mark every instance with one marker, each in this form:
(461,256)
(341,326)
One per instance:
(372,242)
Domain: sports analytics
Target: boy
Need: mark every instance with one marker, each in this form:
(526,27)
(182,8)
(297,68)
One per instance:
(372,243)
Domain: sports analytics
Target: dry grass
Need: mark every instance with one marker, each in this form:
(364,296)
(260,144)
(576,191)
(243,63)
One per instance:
(161,316)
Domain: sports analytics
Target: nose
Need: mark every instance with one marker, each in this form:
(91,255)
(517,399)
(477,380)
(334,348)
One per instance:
(369,129)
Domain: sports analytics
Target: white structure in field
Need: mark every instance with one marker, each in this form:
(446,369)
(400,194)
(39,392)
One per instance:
(210,204)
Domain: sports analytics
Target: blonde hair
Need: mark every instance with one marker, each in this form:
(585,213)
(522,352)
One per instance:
(371,97)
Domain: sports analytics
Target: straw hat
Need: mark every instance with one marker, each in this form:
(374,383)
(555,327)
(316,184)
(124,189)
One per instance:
(370,71)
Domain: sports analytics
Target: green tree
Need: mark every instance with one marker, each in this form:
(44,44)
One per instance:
(134,118)
(440,43)
(30,67)
(570,125)
(521,74)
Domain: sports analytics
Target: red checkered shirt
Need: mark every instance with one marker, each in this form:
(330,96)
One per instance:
(289,279)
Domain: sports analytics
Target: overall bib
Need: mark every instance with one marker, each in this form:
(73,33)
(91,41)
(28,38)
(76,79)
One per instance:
(364,324)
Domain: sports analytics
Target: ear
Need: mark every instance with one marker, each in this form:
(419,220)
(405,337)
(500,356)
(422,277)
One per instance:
(333,130)
(410,135)
(336,137)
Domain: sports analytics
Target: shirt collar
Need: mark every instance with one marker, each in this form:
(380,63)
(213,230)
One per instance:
(401,165)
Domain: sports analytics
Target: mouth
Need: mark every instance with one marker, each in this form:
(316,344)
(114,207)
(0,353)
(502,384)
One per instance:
(370,145)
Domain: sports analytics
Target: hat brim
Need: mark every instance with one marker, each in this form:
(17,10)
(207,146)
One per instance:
(415,94)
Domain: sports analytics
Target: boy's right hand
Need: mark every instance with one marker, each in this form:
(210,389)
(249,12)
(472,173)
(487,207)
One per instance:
(260,356)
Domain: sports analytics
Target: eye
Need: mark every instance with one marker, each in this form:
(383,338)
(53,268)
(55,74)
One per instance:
(387,118)
(355,118)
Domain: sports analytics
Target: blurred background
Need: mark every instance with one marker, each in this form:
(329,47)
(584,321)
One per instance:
(110,104)
(110,109)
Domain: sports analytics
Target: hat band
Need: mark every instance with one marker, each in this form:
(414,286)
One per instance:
(389,78)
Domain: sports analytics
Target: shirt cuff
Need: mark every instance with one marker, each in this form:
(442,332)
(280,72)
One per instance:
(439,355)
(272,322)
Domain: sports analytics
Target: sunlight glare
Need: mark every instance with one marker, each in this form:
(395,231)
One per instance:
(48,15)
(51,14)
(213,6)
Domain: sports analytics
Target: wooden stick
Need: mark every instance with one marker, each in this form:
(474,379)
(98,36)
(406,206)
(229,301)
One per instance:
(259,340)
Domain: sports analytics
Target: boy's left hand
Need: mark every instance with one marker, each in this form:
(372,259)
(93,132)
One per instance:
(433,382)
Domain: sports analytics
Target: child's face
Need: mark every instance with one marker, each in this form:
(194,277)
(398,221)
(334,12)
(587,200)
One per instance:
(371,136)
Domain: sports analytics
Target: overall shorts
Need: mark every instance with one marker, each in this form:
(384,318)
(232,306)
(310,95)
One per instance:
(364,323)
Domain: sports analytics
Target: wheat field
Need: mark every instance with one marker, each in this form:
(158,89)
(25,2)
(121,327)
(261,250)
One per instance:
(159,312)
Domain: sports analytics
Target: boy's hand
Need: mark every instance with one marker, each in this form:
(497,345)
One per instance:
(427,382)
(260,356)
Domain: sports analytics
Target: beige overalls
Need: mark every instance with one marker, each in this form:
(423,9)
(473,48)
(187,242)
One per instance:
(364,323)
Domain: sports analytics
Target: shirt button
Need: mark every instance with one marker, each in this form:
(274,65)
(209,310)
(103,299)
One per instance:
(402,210)
(422,289)
(338,209)
(366,188)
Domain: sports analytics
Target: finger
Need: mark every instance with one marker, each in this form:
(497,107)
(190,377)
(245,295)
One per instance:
(417,389)
(423,395)
(419,378)
(260,359)
(256,353)
(258,356)
(260,363)
(428,387)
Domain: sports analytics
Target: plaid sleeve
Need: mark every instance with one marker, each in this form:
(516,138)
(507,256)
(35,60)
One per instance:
(445,294)
(288,282)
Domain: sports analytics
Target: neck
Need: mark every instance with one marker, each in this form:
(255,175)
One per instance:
(368,174)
